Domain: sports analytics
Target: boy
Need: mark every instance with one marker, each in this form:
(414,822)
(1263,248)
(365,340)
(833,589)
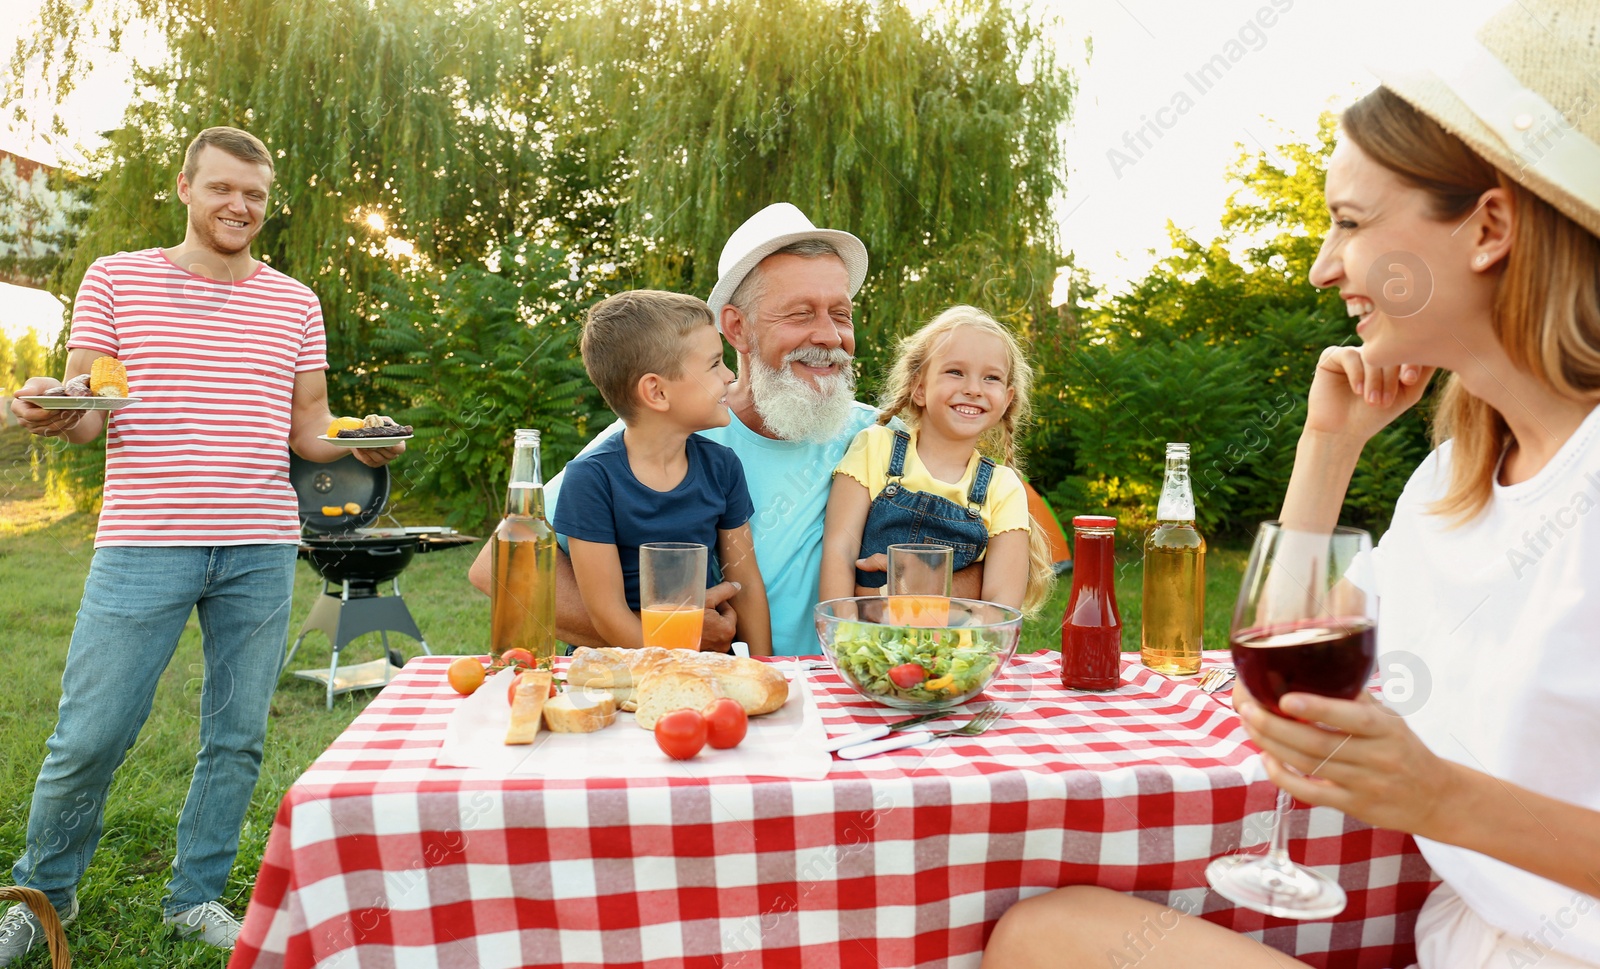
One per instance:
(656,358)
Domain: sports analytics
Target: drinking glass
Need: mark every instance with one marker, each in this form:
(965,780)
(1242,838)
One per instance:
(672,593)
(919,585)
(1299,627)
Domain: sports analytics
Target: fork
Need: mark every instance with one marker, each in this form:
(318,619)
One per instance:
(1216,678)
(984,719)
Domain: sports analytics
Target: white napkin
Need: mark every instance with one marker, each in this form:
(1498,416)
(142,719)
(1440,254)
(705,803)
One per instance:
(784,743)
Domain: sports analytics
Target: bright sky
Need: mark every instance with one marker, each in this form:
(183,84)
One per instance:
(1311,57)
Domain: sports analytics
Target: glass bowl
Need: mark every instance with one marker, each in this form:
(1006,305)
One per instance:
(877,644)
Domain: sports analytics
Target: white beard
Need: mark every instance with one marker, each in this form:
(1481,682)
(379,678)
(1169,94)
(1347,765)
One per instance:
(794,410)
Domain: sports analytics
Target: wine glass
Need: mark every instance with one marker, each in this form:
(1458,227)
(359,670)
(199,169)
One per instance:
(1300,626)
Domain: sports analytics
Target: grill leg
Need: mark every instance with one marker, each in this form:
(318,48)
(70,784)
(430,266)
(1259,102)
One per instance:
(391,655)
(333,670)
(323,618)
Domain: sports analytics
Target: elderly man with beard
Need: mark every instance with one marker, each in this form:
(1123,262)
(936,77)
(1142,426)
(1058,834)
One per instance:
(782,300)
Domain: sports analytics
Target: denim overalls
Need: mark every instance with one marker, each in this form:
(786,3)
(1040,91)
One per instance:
(899,515)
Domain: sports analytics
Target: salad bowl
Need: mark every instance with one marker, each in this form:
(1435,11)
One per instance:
(917,652)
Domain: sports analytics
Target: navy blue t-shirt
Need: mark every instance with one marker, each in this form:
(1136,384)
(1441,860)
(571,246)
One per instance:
(602,502)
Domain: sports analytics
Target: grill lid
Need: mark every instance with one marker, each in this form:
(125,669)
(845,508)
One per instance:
(337,483)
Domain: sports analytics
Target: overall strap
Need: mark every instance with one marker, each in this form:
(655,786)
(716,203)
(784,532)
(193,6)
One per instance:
(980,485)
(897,459)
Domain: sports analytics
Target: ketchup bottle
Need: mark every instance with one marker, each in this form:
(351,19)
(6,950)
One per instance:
(1091,630)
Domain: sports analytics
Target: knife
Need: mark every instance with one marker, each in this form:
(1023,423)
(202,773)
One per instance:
(880,730)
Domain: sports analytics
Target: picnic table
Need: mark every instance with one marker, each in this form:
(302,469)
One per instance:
(379,857)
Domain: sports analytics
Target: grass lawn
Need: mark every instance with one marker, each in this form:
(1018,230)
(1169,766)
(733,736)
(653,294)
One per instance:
(44,557)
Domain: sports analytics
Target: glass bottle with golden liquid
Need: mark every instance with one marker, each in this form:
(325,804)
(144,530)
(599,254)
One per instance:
(1173,628)
(522,610)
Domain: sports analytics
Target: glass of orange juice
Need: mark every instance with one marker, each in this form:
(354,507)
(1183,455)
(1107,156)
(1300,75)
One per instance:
(672,593)
(919,585)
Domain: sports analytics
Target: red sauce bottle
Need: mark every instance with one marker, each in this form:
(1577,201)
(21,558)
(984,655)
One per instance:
(1091,630)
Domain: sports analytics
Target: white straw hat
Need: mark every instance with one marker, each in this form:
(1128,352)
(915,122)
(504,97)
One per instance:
(1525,96)
(778,225)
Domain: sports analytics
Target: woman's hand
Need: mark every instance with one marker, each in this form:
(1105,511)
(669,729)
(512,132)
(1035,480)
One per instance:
(1370,765)
(1350,398)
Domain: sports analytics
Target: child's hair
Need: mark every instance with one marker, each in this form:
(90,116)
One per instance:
(912,356)
(632,334)
(911,359)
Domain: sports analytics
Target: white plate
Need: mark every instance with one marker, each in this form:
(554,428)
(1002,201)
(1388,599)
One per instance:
(81,403)
(365,441)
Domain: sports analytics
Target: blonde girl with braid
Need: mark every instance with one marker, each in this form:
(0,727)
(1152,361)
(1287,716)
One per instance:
(960,384)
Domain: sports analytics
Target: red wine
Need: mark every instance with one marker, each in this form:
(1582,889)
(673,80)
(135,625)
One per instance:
(1330,657)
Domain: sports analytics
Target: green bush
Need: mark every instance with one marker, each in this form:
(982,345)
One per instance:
(472,356)
(1110,402)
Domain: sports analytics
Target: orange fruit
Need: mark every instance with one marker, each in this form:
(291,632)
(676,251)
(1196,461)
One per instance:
(466,675)
(344,424)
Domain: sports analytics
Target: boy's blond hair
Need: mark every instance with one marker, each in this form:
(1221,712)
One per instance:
(632,334)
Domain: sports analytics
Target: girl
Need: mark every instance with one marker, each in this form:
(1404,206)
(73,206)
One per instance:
(1488,571)
(961,386)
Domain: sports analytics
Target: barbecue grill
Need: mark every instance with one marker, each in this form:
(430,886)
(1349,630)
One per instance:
(353,558)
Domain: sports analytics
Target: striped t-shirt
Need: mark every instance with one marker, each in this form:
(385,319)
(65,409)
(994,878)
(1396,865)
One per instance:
(203,457)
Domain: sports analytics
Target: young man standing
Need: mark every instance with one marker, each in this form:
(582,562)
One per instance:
(226,357)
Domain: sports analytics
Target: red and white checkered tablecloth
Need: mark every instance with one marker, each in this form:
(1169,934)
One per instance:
(377,858)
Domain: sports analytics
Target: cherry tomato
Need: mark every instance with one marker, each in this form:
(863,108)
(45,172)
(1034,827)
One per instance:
(681,733)
(908,675)
(726,723)
(515,655)
(466,675)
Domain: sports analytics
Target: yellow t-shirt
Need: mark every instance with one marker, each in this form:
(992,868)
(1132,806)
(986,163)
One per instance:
(1004,509)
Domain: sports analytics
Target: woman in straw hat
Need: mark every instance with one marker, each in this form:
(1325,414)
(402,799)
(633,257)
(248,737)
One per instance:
(1466,237)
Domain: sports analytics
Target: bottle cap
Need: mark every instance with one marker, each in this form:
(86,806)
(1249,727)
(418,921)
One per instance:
(1093,521)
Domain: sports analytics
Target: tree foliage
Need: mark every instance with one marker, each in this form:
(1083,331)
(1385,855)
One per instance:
(21,358)
(423,148)
(936,139)
(1215,346)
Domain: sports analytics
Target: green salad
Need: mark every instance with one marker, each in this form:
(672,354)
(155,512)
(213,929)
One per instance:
(949,662)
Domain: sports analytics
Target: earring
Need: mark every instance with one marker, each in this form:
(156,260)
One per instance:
(1480,260)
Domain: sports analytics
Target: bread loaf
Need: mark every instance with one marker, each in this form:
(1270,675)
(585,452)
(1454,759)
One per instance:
(527,706)
(759,687)
(579,711)
(667,690)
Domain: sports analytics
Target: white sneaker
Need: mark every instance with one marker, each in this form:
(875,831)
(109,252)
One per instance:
(20,931)
(216,925)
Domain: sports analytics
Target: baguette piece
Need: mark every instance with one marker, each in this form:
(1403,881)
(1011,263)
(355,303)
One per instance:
(759,687)
(527,706)
(580,711)
(667,690)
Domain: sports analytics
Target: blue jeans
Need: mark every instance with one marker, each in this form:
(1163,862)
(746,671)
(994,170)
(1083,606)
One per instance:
(135,604)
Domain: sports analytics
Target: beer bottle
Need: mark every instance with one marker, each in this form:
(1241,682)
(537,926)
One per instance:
(522,609)
(1172,633)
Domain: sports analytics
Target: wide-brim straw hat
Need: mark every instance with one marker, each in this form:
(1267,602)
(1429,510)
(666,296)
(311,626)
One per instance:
(778,225)
(1525,96)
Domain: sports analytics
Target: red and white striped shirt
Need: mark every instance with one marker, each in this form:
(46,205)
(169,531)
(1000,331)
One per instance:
(203,457)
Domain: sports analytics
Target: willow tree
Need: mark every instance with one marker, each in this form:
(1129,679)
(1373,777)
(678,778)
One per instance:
(410,144)
(393,140)
(935,137)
